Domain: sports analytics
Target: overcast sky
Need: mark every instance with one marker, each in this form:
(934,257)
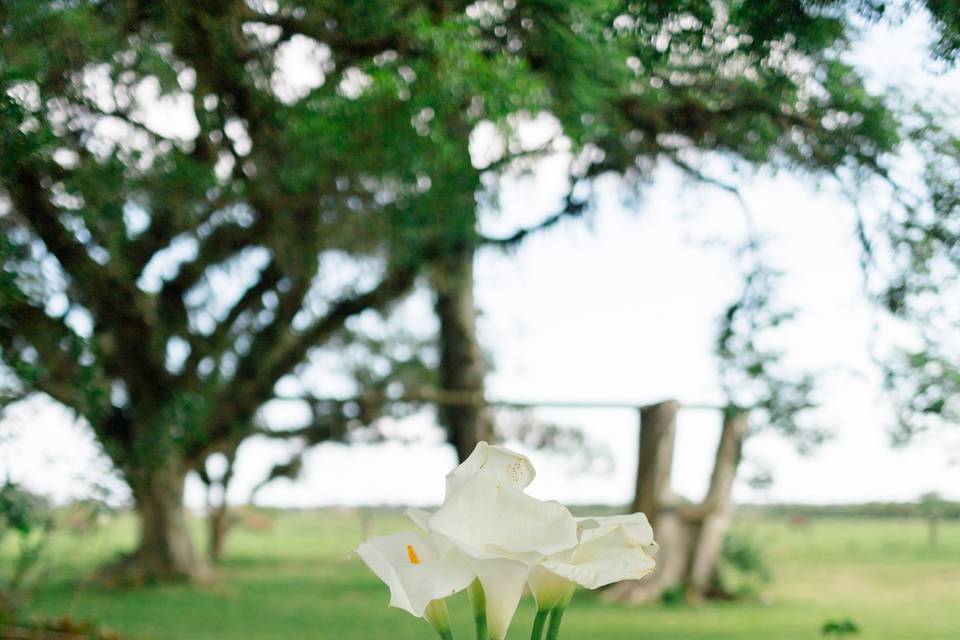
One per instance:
(623,307)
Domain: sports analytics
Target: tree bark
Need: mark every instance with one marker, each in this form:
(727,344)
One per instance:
(219,525)
(710,528)
(165,550)
(462,367)
(219,515)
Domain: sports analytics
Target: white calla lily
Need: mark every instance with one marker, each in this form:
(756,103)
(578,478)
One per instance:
(501,531)
(548,589)
(492,537)
(416,569)
(610,549)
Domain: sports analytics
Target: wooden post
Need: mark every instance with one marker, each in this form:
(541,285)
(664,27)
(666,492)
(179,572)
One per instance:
(658,427)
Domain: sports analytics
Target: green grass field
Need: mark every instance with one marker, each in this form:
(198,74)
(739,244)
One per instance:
(298,581)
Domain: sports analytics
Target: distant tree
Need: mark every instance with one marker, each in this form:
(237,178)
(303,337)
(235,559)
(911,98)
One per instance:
(934,508)
(761,393)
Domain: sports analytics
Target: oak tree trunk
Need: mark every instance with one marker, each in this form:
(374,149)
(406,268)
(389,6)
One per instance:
(462,367)
(219,525)
(220,518)
(165,550)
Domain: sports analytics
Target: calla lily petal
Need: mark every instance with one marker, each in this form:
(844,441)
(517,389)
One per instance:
(610,550)
(503,582)
(502,579)
(419,517)
(549,589)
(487,518)
(635,527)
(603,568)
(415,569)
(498,463)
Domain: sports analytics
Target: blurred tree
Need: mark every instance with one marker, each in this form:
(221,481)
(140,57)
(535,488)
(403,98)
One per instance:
(914,267)
(749,84)
(753,376)
(171,173)
(642,84)
(934,508)
(761,393)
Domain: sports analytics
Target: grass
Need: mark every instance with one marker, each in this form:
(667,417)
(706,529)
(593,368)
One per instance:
(298,581)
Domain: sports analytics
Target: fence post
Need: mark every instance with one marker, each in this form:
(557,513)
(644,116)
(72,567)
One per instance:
(658,427)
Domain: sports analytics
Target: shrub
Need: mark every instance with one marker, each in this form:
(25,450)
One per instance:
(24,517)
(742,569)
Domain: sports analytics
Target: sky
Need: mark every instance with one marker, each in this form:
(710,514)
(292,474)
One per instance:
(620,307)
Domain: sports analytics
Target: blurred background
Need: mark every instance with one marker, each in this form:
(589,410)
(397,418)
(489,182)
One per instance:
(271,268)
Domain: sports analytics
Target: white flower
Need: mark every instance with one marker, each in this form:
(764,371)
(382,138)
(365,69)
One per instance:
(610,549)
(417,570)
(489,530)
(501,531)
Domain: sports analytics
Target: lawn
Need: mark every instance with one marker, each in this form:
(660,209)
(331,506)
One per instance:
(297,580)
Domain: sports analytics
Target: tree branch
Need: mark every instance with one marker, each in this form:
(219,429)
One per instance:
(571,209)
(32,204)
(214,344)
(116,304)
(224,242)
(273,355)
(59,374)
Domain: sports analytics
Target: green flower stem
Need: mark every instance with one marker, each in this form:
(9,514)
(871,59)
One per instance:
(556,616)
(478,600)
(445,634)
(439,618)
(538,623)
